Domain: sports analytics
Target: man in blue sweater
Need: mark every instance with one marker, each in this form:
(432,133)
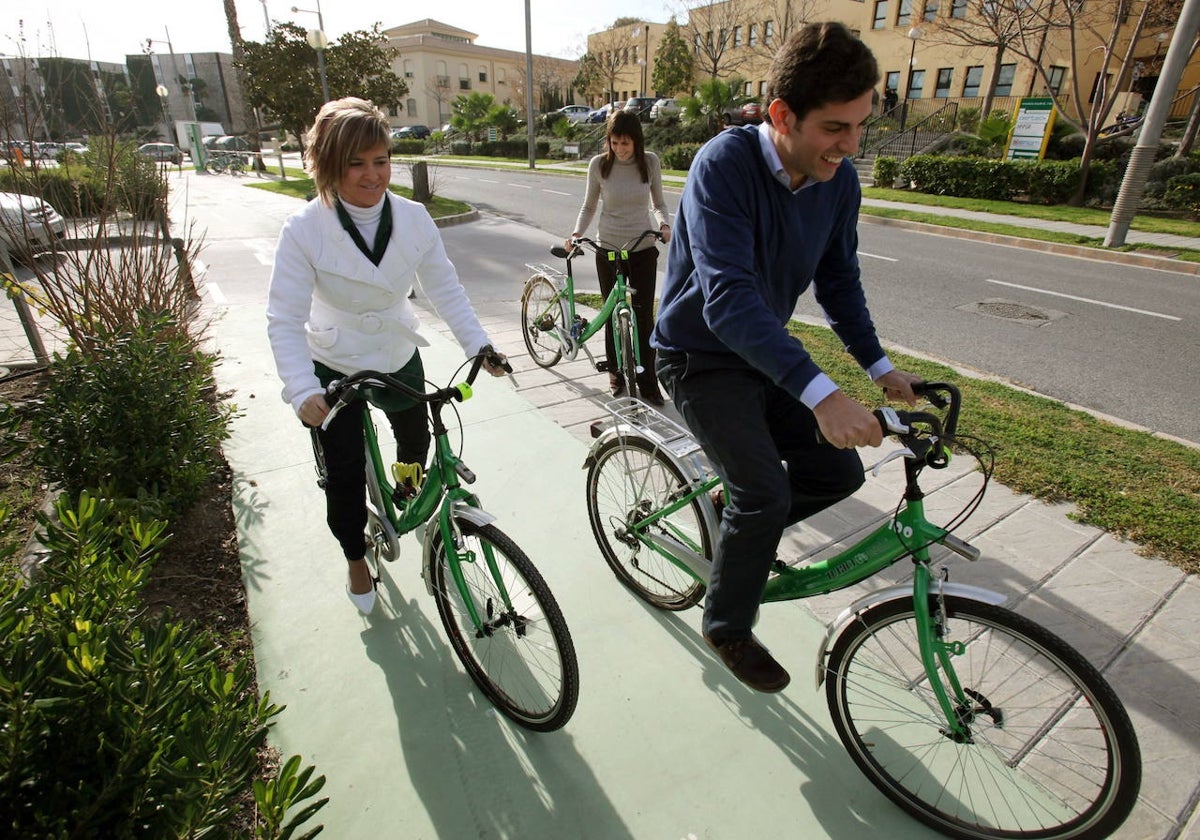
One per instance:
(767,212)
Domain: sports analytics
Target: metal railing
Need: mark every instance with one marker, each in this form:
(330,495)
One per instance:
(908,128)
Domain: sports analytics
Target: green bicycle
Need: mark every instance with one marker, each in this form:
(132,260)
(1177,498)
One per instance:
(553,330)
(970,717)
(499,615)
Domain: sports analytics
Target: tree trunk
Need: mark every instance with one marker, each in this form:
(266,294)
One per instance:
(986,109)
(1193,124)
(249,116)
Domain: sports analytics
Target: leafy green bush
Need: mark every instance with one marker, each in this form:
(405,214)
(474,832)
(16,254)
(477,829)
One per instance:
(116,724)
(140,418)
(1164,170)
(968,120)
(969,145)
(885,171)
(680,156)
(995,128)
(1050,181)
(408,147)
(962,176)
(1183,193)
(106,179)
(460,147)
(514,147)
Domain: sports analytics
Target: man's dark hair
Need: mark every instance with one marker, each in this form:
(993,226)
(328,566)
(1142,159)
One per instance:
(821,63)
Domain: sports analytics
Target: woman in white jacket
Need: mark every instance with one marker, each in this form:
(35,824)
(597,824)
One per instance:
(337,304)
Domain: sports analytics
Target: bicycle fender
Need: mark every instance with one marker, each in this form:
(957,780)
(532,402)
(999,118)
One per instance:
(894,593)
(458,510)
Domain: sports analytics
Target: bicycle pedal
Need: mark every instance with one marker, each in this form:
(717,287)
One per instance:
(602,366)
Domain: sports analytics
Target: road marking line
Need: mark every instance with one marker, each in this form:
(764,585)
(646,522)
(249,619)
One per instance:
(877,257)
(214,291)
(519,186)
(556,192)
(1084,300)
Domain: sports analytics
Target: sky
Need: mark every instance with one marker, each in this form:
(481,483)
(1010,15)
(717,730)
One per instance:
(116,28)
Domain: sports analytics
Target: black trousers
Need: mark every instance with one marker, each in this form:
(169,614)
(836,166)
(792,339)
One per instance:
(643,279)
(346,459)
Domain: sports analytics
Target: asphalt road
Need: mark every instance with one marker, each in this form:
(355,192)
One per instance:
(1119,340)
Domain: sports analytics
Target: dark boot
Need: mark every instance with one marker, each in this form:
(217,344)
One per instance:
(616,384)
(648,390)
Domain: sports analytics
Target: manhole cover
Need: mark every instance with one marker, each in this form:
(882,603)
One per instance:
(1012,311)
(1015,311)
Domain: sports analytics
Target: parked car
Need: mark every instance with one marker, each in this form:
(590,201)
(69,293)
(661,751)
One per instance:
(665,108)
(411,132)
(77,148)
(48,151)
(601,113)
(28,225)
(230,143)
(575,113)
(749,113)
(162,152)
(641,106)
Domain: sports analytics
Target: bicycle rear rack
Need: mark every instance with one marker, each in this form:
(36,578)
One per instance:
(662,431)
(554,275)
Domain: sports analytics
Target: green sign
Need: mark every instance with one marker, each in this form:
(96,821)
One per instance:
(1030,134)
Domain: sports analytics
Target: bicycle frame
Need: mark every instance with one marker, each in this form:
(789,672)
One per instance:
(617,301)
(442,494)
(906,534)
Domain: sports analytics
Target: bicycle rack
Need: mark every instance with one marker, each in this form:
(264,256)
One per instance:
(662,431)
(554,275)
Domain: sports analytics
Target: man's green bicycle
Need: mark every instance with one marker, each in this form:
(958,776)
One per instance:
(500,616)
(970,717)
(553,330)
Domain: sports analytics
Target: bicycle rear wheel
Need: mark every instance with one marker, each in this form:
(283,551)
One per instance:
(542,315)
(1051,752)
(628,360)
(523,660)
(629,479)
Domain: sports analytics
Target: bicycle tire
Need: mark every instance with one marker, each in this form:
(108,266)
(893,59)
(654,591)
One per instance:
(1052,752)
(629,476)
(628,359)
(542,311)
(531,677)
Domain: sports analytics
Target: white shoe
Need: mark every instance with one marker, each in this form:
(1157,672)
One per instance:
(365,601)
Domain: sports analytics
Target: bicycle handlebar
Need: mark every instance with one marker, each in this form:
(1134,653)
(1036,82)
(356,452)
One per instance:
(932,444)
(341,392)
(562,253)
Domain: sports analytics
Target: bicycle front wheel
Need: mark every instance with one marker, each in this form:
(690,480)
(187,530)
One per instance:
(628,360)
(523,658)
(541,317)
(627,481)
(1051,752)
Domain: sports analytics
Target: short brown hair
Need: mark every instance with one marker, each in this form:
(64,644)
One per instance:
(343,128)
(821,63)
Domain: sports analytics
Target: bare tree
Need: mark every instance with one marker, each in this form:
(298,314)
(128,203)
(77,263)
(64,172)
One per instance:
(785,17)
(249,115)
(1115,34)
(440,92)
(606,59)
(713,30)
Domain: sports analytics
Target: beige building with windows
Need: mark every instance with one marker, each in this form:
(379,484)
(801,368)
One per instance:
(440,62)
(927,49)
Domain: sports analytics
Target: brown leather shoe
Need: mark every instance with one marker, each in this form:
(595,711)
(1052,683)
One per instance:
(616,384)
(751,663)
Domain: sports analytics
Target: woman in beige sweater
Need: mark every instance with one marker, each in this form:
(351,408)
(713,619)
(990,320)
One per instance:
(626,182)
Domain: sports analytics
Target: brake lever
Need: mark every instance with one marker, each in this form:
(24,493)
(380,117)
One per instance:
(891,456)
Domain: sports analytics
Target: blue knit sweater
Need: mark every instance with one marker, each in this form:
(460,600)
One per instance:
(745,247)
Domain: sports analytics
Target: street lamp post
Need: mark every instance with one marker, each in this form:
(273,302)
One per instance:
(190,109)
(913,35)
(266,18)
(163,93)
(318,41)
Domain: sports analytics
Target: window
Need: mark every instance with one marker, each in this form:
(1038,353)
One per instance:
(769,33)
(892,80)
(1004,81)
(904,16)
(754,34)
(958,9)
(881,14)
(1057,76)
(393,111)
(1096,85)
(748,88)
(762,89)
(944,77)
(464,84)
(441,69)
(973,80)
(483,74)
(699,43)
(411,107)
(916,82)
(931,10)
(500,77)
(625,56)
(737,36)
(408,70)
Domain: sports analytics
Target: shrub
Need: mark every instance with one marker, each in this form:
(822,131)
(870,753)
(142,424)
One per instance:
(885,171)
(1164,170)
(1183,193)
(962,176)
(408,146)
(968,120)
(512,148)
(460,147)
(680,156)
(140,418)
(968,145)
(118,725)
(1051,181)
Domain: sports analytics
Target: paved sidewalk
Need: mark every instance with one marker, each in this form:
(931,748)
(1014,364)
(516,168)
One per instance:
(665,743)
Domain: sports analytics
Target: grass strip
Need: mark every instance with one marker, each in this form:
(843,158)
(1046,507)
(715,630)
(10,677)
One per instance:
(300,186)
